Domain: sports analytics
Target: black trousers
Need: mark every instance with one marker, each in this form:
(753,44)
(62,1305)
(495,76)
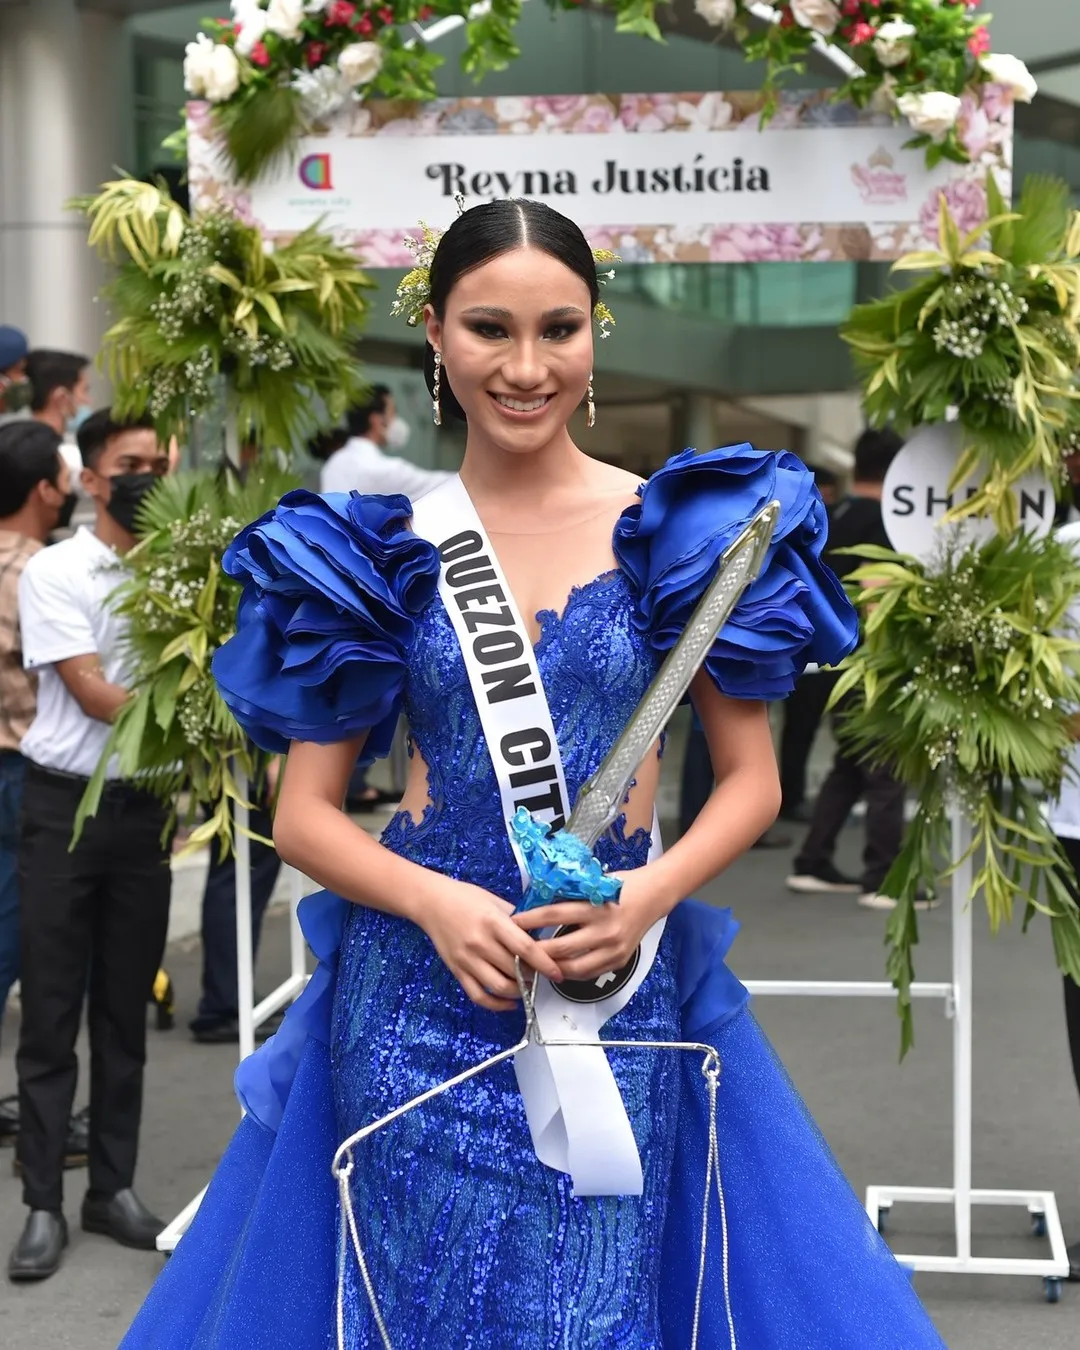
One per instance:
(803,710)
(93,920)
(220,1001)
(1072,990)
(849,779)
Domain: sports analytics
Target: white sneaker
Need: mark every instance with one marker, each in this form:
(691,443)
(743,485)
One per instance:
(872,900)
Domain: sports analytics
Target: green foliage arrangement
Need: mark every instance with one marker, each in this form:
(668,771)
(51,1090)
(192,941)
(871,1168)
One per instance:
(991,336)
(278,66)
(967,675)
(200,299)
(175,734)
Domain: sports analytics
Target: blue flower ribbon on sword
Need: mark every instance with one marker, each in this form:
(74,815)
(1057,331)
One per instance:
(560,866)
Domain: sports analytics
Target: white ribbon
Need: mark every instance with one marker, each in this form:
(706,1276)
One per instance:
(576,1114)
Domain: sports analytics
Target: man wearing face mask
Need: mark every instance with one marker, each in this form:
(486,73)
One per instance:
(14,386)
(362,464)
(60,398)
(94,918)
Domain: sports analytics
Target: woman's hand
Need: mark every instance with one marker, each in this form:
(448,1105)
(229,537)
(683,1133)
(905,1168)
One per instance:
(607,935)
(476,938)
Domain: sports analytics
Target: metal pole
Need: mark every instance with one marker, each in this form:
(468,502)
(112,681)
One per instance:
(297,946)
(245,959)
(962,1031)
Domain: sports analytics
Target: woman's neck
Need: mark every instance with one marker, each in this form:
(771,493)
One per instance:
(528,478)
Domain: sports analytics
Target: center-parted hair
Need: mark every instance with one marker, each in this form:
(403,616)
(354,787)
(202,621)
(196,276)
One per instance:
(483,233)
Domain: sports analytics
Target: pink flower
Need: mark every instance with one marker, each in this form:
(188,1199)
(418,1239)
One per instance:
(858,33)
(598,117)
(763,243)
(340,14)
(851,7)
(646,112)
(260,56)
(966,199)
(979,42)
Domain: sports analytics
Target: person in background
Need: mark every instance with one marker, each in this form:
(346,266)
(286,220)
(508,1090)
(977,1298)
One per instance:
(1064,819)
(14,386)
(60,398)
(94,915)
(856,520)
(35,500)
(362,465)
(805,707)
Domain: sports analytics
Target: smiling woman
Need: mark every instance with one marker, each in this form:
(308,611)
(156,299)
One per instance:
(516,615)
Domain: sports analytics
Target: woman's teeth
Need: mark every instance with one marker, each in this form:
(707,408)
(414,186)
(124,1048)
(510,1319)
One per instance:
(516,404)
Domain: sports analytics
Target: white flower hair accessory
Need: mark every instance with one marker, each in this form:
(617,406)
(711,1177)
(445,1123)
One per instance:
(414,292)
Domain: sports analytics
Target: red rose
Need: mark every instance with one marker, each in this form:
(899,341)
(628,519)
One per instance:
(787,19)
(315,53)
(260,56)
(340,14)
(425,13)
(979,42)
(858,33)
(364,26)
(386,14)
(851,8)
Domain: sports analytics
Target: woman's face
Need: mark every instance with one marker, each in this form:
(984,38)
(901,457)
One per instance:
(517,347)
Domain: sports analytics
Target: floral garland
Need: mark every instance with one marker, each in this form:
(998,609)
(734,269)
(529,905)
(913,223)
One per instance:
(968,674)
(970,671)
(280,66)
(989,338)
(414,289)
(175,733)
(199,299)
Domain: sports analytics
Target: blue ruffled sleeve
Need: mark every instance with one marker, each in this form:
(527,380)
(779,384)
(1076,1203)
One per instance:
(670,542)
(332,589)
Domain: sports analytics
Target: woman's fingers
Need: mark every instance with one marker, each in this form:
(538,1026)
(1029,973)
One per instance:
(532,954)
(478,994)
(578,912)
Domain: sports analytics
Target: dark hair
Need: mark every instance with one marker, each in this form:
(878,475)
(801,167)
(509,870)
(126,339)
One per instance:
(47,371)
(358,418)
(874,452)
(486,231)
(29,455)
(99,429)
(824,477)
(326,443)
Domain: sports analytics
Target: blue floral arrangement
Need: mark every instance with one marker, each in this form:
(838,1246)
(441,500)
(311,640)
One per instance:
(560,866)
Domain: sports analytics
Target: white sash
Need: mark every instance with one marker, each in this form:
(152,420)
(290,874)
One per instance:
(576,1114)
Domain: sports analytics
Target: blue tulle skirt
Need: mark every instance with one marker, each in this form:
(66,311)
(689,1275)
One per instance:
(802,1267)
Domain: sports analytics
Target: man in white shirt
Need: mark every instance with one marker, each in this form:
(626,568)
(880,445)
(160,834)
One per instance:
(94,918)
(1064,818)
(362,464)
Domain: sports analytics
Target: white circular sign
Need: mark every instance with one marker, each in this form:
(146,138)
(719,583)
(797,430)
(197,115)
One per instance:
(916,496)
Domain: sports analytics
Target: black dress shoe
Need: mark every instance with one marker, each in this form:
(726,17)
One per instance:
(123,1217)
(226,1031)
(37,1253)
(1074,1264)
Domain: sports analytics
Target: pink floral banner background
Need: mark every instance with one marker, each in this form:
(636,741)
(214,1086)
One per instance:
(898,196)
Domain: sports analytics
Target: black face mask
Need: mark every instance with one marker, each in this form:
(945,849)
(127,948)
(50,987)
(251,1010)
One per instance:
(67,510)
(128,491)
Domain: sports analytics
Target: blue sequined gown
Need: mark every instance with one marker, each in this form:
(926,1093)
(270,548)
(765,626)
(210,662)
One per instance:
(473,1243)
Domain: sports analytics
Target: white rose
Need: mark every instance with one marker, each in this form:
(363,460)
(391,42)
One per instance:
(360,62)
(718,13)
(934,114)
(1012,73)
(284,17)
(252,19)
(893,42)
(197,56)
(322,92)
(821,15)
(222,75)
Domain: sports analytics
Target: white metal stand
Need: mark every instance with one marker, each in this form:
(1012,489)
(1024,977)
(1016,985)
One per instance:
(958,997)
(251,1015)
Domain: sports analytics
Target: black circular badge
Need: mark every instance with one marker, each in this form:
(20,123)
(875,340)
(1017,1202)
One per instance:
(603,986)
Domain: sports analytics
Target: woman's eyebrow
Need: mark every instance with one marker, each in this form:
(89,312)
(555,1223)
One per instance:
(504,315)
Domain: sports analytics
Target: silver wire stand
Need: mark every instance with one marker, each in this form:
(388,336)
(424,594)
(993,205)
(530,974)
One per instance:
(344,1163)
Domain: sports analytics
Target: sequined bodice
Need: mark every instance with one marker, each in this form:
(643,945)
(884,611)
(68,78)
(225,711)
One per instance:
(595,666)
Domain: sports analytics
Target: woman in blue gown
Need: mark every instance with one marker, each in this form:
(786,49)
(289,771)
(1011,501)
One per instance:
(471,1240)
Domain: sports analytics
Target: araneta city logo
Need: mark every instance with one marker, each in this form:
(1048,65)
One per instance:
(315,172)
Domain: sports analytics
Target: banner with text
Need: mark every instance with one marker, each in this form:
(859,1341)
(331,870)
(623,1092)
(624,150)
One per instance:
(657,178)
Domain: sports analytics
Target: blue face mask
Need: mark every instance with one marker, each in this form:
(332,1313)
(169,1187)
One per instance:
(72,425)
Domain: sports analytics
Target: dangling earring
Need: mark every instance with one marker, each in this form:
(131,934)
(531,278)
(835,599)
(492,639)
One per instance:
(591,419)
(436,407)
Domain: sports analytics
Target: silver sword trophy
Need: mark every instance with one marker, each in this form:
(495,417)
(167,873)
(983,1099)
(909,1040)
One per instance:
(597,805)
